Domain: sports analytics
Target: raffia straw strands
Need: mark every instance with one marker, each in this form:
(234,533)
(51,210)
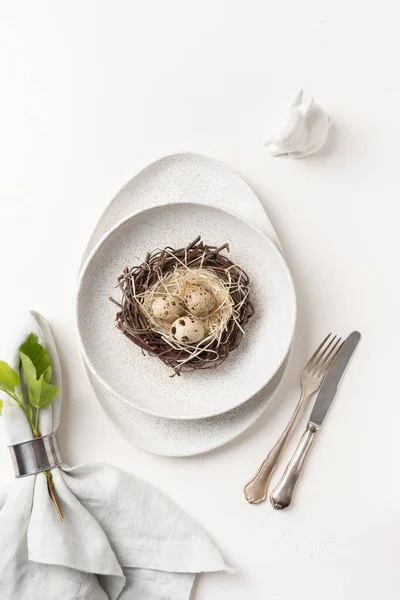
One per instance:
(166,272)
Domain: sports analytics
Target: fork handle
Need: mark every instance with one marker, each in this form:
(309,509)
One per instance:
(282,494)
(255,490)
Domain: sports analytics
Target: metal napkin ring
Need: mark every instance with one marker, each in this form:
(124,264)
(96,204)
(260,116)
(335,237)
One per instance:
(35,456)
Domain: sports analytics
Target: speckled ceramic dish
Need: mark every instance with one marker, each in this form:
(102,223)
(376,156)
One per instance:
(144,381)
(171,437)
(183,177)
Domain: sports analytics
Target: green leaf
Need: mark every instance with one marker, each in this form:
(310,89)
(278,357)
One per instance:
(41,393)
(37,354)
(8,376)
(28,367)
(48,374)
(48,394)
(34,391)
(4,387)
(34,386)
(30,339)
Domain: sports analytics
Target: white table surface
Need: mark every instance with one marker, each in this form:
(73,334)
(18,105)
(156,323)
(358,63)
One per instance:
(93,91)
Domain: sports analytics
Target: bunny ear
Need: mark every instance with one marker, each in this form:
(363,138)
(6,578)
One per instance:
(297,99)
(305,107)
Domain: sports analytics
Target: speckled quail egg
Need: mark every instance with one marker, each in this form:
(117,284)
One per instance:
(199,300)
(167,308)
(188,330)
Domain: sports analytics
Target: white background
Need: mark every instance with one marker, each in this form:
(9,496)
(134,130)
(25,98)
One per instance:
(90,92)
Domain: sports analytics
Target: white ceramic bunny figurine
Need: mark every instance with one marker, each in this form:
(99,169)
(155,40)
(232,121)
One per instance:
(303,131)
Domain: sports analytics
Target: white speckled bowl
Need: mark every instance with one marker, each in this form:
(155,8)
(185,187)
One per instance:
(116,362)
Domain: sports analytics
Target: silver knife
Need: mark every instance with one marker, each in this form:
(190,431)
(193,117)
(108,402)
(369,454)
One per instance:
(282,494)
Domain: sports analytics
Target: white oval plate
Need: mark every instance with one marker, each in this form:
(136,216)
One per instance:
(144,381)
(170,437)
(184,176)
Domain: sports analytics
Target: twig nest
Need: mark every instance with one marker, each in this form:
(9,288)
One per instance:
(199,299)
(212,322)
(188,330)
(167,308)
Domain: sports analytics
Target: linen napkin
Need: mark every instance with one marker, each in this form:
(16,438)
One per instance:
(121,538)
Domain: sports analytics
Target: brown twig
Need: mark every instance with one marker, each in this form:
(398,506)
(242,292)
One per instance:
(50,485)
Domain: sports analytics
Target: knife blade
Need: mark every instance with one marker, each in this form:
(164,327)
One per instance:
(333,378)
(282,494)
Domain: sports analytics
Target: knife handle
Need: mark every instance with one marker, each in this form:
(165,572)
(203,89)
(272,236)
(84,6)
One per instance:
(282,494)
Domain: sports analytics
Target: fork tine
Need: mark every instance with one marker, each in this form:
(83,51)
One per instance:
(322,356)
(330,357)
(311,361)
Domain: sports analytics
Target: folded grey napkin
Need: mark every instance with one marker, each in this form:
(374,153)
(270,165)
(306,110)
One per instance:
(120,539)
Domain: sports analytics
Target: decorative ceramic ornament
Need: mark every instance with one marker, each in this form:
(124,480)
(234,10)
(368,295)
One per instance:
(303,130)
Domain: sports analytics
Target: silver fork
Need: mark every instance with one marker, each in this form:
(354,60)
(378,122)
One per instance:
(311,379)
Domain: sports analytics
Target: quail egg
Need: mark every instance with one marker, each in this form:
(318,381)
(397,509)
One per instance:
(199,300)
(167,308)
(188,330)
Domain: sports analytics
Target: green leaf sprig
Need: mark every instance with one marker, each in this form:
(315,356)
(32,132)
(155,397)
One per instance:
(36,367)
(41,393)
